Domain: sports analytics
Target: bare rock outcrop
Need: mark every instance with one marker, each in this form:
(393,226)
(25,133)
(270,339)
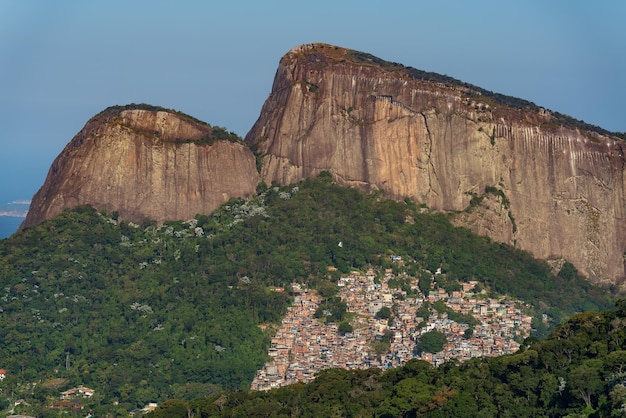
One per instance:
(541,181)
(146,163)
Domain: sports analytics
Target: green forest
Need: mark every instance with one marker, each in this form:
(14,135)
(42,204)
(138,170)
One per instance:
(186,309)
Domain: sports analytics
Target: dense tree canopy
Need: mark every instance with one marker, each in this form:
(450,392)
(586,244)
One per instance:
(140,311)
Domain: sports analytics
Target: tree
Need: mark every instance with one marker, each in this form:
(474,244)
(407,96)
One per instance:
(431,342)
(424,282)
(379,347)
(344,328)
(412,395)
(327,289)
(586,380)
(383,313)
(173,408)
(568,271)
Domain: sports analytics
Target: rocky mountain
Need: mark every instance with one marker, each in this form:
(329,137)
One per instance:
(146,162)
(507,168)
(501,166)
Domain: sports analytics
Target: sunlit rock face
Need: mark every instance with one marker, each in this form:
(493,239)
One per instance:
(553,187)
(145,164)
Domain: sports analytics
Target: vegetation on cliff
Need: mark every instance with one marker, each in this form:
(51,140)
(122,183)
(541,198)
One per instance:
(475,91)
(145,312)
(215,133)
(322,51)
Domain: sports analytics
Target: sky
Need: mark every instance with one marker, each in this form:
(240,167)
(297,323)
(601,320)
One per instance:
(62,62)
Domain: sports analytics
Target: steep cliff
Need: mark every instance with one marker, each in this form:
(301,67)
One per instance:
(506,168)
(146,163)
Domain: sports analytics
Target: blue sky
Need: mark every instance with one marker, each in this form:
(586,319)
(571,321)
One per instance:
(61,62)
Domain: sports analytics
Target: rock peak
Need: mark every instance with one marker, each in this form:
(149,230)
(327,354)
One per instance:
(506,167)
(146,162)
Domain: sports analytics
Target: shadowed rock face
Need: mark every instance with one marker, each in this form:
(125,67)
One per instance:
(552,188)
(145,164)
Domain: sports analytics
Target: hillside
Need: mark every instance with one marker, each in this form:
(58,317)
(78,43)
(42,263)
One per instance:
(146,312)
(577,372)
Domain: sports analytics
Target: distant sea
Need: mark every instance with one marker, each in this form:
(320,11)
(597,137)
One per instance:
(8,225)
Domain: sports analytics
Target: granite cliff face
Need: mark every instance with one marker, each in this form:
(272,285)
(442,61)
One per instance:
(507,168)
(503,167)
(146,163)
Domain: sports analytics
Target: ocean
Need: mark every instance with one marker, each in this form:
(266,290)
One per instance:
(8,225)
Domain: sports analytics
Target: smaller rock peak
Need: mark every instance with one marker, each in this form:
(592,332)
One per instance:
(146,162)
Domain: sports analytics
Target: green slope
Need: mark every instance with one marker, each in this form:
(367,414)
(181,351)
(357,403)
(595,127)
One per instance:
(143,313)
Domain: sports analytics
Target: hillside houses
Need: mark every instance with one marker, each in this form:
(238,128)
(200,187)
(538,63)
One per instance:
(77,392)
(303,345)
